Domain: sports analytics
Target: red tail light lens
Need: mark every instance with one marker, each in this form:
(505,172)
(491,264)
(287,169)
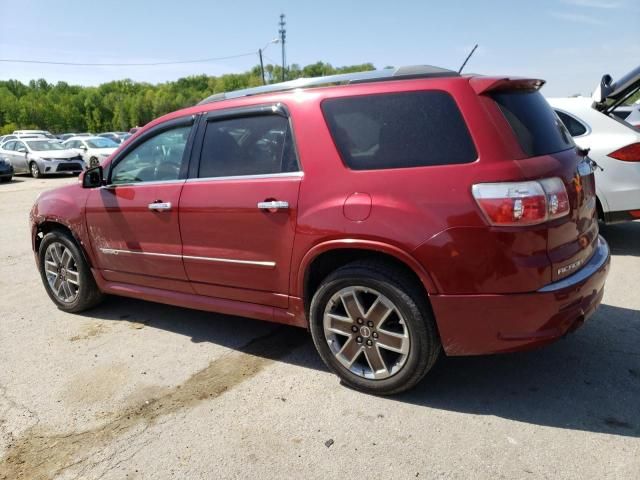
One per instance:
(630,153)
(522,203)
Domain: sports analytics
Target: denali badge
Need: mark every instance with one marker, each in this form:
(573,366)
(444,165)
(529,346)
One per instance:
(568,268)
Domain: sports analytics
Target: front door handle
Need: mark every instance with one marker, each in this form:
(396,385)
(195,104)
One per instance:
(160,206)
(273,205)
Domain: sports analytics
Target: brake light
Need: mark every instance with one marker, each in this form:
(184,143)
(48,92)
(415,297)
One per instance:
(522,203)
(630,153)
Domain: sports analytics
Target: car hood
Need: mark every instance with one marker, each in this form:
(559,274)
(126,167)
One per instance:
(57,154)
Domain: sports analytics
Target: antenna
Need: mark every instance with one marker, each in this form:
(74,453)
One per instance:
(468,57)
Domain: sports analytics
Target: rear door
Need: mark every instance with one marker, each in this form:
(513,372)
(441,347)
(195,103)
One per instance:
(549,149)
(133,221)
(238,215)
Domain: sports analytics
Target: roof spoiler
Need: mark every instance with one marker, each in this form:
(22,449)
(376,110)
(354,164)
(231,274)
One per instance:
(484,85)
(617,91)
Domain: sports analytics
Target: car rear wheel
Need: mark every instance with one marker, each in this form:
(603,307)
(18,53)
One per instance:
(65,273)
(372,326)
(35,170)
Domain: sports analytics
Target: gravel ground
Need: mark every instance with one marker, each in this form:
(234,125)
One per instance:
(144,391)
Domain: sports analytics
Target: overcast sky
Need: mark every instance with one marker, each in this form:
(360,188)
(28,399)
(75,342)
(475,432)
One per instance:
(570,43)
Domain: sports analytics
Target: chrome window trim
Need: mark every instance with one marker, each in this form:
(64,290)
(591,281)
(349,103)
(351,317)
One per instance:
(298,174)
(255,263)
(581,122)
(111,186)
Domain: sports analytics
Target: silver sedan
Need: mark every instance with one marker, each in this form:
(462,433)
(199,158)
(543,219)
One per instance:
(41,156)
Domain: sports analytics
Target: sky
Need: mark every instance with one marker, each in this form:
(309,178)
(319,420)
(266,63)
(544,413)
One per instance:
(569,43)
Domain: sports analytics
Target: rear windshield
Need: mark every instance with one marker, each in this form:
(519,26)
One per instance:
(538,129)
(399,130)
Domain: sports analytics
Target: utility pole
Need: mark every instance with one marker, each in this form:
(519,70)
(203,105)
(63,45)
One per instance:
(261,66)
(283,36)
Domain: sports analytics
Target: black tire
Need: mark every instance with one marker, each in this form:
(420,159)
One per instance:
(93,162)
(88,294)
(34,170)
(411,302)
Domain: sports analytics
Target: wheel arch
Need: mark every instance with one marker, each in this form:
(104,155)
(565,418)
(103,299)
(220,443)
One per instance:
(326,257)
(47,226)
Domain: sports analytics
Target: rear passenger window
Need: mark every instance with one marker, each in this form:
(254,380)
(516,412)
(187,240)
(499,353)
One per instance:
(537,128)
(256,145)
(574,126)
(399,130)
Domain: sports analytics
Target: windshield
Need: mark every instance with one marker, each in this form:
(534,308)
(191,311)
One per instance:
(101,143)
(43,145)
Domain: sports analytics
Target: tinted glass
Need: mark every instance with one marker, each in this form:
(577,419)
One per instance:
(156,159)
(101,143)
(399,130)
(247,146)
(621,114)
(9,145)
(538,129)
(44,145)
(574,126)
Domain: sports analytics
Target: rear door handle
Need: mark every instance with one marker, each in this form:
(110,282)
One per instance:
(160,206)
(273,205)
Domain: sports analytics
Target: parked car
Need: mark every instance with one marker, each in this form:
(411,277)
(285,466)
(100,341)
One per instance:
(630,114)
(6,138)
(393,219)
(613,144)
(6,169)
(66,136)
(41,156)
(94,150)
(117,137)
(42,133)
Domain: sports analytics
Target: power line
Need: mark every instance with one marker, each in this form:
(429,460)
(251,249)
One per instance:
(150,64)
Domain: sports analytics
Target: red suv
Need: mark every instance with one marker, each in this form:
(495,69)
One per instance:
(394,214)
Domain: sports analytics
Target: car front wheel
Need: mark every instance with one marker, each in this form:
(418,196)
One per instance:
(35,170)
(372,326)
(65,273)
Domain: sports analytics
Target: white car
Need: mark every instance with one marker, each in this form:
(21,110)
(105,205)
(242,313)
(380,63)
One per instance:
(43,133)
(94,150)
(613,144)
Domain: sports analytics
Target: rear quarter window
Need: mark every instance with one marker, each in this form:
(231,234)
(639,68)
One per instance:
(538,130)
(399,130)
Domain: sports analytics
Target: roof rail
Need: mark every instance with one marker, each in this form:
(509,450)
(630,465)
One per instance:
(400,73)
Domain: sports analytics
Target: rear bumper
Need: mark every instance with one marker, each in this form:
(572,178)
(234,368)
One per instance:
(484,324)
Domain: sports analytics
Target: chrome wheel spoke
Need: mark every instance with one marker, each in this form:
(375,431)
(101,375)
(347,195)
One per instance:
(65,258)
(393,341)
(376,362)
(352,305)
(350,351)
(378,312)
(340,325)
(72,277)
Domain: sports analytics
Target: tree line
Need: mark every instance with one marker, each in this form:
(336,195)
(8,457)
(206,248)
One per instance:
(122,104)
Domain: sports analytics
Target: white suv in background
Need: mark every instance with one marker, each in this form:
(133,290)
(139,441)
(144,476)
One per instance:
(613,144)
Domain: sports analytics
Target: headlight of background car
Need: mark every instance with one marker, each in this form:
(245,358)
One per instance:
(46,159)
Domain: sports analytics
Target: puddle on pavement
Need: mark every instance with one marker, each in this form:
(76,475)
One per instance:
(41,453)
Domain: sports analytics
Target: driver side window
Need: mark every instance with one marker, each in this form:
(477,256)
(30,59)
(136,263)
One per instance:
(156,159)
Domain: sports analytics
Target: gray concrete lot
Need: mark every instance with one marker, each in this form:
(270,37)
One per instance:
(144,391)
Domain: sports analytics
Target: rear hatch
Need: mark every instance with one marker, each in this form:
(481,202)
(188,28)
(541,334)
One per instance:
(549,152)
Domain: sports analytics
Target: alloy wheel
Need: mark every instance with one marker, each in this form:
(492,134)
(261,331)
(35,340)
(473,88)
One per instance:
(62,272)
(366,332)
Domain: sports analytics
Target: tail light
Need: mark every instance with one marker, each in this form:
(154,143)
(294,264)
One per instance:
(630,153)
(522,203)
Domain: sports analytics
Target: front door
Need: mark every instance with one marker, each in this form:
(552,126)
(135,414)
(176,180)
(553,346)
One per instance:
(133,221)
(238,217)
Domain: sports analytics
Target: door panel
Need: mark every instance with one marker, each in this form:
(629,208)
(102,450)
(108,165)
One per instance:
(229,242)
(129,237)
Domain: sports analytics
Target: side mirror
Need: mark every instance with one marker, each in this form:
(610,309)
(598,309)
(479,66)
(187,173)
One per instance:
(22,150)
(93,178)
(82,147)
